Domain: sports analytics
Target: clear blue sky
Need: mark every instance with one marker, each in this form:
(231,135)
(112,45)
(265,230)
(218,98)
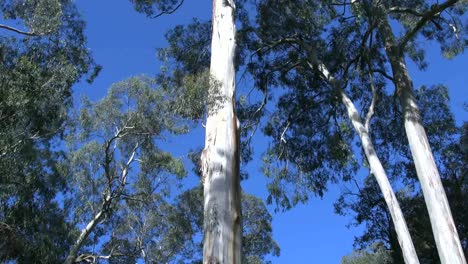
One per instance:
(124,43)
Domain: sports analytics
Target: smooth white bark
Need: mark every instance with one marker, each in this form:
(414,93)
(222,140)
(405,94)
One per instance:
(443,226)
(220,158)
(404,237)
(73,254)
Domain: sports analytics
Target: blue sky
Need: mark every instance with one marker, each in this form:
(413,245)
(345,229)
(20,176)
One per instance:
(124,42)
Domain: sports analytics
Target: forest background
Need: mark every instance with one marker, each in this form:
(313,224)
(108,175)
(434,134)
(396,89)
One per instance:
(125,44)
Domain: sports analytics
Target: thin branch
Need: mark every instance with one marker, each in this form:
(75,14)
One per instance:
(127,167)
(258,111)
(435,10)
(405,10)
(168,12)
(284,132)
(370,112)
(27,33)
(383,73)
(351,193)
(357,185)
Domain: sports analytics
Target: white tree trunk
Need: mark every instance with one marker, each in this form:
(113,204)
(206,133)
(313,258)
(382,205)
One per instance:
(443,226)
(73,254)
(220,158)
(404,237)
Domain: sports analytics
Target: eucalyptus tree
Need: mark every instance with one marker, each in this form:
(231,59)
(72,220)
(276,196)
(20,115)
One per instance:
(119,177)
(42,53)
(442,22)
(220,158)
(292,57)
(448,149)
(257,236)
(376,254)
(368,22)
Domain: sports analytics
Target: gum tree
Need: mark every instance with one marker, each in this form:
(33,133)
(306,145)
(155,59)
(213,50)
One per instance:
(220,157)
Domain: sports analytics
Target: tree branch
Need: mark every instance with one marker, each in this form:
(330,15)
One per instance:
(370,112)
(383,73)
(405,10)
(168,12)
(27,33)
(22,32)
(435,10)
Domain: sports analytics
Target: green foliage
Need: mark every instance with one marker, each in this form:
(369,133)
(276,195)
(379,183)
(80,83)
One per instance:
(40,16)
(37,73)
(114,166)
(257,240)
(379,256)
(186,70)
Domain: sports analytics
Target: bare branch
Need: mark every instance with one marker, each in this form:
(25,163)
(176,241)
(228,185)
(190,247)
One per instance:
(127,167)
(168,12)
(27,33)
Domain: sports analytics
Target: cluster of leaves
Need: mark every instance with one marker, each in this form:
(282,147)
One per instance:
(377,254)
(143,220)
(256,224)
(37,72)
(105,142)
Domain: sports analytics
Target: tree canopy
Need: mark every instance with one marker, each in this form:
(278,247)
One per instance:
(98,181)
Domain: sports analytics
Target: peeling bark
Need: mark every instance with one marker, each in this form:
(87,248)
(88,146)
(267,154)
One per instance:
(220,158)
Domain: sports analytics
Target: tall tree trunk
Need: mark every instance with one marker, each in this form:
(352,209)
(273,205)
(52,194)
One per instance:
(443,226)
(220,158)
(404,238)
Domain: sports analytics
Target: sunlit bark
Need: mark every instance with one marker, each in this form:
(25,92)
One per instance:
(362,129)
(404,237)
(443,226)
(220,158)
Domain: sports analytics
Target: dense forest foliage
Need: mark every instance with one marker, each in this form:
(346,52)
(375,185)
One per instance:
(98,181)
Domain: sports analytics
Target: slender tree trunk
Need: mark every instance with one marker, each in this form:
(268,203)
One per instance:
(220,158)
(73,254)
(404,238)
(443,226)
